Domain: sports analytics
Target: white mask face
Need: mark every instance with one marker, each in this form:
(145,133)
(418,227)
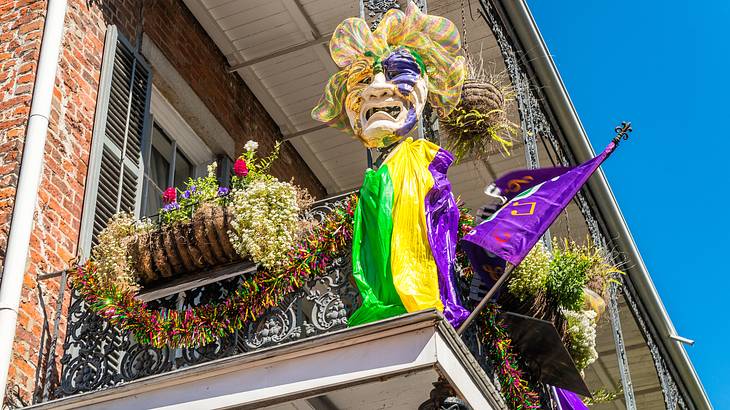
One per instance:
(390,105)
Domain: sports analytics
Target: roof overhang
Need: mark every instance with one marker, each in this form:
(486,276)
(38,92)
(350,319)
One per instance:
(420,346)
(557,98)
(280,49)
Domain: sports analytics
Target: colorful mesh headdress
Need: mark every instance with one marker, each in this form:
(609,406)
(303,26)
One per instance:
(354,48)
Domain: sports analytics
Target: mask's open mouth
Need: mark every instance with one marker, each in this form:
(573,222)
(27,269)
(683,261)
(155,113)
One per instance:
(392,111)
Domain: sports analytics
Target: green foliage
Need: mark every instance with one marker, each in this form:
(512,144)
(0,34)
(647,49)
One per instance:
(474,130)
(568,275)
(197,191)
(257,167)
(115,265)
(563,275)
(206,189)
(603,396)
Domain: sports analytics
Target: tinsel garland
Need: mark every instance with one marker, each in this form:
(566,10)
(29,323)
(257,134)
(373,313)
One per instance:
(515,389)
(203,324)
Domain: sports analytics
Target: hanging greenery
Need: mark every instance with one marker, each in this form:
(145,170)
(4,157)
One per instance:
(565,287)
(480,120)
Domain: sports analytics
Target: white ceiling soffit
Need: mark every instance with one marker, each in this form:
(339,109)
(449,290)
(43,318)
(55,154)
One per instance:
(283,46)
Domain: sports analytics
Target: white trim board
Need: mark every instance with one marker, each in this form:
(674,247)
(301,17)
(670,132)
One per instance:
(407,344)
(168,82)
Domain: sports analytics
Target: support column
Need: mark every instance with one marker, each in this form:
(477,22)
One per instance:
(618,339)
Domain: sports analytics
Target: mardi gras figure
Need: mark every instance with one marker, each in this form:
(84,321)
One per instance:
(406,221)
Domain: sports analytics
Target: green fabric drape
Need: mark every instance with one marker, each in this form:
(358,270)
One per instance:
(371,250)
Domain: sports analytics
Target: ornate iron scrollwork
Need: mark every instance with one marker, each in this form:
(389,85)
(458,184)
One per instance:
(97,355)
(90,342)
(374,10)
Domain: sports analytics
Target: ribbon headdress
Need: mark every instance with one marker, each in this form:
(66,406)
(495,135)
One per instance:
(434,41)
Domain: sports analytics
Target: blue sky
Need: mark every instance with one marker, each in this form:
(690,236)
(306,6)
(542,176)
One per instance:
(663,66)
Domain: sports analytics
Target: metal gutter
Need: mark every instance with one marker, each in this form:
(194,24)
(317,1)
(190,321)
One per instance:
(556,95)
(26,196)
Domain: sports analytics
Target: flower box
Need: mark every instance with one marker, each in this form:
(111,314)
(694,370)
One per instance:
(185,248)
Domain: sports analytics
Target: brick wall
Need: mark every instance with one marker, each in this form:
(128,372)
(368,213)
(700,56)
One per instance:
(60,197)
(55,235)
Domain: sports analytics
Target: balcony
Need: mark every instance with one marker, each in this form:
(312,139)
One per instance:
(299,351)
(103,366)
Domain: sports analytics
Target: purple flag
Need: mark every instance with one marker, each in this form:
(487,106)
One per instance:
(512,183)
(515,228)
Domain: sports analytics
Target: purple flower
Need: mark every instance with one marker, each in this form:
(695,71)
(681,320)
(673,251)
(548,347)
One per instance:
(171,206)
(189,192)
(223,191)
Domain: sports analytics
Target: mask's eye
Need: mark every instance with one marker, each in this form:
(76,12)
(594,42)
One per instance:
(366,80)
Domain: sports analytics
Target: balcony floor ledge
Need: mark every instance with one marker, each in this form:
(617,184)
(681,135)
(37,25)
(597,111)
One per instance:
(355,358)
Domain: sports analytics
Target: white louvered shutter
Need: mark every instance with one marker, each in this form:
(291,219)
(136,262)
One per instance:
(114,182)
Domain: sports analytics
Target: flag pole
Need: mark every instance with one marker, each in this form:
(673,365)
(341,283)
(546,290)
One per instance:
(622,133)
(502,279)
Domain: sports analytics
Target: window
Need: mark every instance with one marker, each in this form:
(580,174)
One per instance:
(173,153)
(140,143)
(168,166)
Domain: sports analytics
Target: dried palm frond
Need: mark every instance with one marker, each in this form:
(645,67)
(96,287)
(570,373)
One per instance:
(480,120)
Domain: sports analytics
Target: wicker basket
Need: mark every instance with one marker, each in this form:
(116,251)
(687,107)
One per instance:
(482,96)
(184,248)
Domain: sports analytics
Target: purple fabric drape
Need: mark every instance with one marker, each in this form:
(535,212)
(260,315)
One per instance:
(567,400)
(442,221)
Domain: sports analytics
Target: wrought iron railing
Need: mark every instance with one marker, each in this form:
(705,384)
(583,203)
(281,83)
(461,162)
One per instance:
(97,355)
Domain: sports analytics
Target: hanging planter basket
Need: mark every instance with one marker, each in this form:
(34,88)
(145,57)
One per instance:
(480,121)
(482,96)
(183,248)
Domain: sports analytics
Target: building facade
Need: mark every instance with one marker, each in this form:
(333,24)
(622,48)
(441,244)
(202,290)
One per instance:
(147,94)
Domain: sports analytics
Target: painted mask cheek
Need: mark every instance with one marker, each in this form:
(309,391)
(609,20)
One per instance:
(409,124)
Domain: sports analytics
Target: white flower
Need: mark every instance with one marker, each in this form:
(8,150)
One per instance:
(265,222)
(581,332)
(251,145)
(212,168)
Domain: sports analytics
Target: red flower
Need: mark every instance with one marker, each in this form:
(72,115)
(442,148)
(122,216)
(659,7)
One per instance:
(169,196)
(240,168)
